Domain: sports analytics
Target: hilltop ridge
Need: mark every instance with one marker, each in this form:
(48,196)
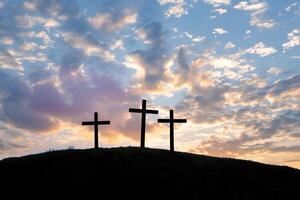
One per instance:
(152,172)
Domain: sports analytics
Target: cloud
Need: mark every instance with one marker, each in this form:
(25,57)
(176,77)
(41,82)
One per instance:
(177,8)
(90,47)
(220,11)
(198,39)
(9,61)
(217,3)
(29,5)
(274,70)
(261,50)
(229,45)
(219,31)
(150,64)
(288,8)
(183,70)
(151,33)
(15,109)
(261,23)
(239,148)
(71,62)
(41,107)
(5,145)
(7,40)
(30,46)
(255,6)
(294,8)
(257,10)
(293,40)
(118,44)
(295,57)
(27,21)
(1,4)
(109,23)
(263,127)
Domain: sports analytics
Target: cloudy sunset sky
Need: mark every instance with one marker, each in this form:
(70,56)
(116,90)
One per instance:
(230,67)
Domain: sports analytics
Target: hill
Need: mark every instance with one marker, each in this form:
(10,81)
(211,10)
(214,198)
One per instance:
(150,173)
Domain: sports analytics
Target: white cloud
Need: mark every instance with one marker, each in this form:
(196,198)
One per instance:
(189,35)
(198,39)
(257,10)
(9,61)
(174,29)
(163,2)
(1,4)
(261,50)
(295,57)
(224,62)
(90,48)
(30,21)
(229,45)
(217,3)
(118,44)
(39,57)
(194,39)
(290,7)
(274,70)
(49,23)
(177,8)
(28,46)
(7,41)
(244,5)
(46,39)
(221,11)
(219,31)
(257,21)
(293,40)
(29,6)
(109,23)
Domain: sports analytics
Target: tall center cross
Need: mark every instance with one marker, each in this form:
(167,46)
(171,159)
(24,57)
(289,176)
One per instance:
(143,111)
(171,121)
(96,123)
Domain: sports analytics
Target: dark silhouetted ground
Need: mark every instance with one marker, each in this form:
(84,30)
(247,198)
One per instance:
(147,174)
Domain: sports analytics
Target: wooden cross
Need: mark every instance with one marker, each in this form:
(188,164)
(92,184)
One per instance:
(144,111)
(96,123)
(171,121)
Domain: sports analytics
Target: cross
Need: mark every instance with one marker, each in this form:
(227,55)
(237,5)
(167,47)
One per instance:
(96,123)
(171,121)
(144,111)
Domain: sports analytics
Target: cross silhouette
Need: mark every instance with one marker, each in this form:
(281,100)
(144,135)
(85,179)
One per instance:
(96,123)
(171,121)
(143,111)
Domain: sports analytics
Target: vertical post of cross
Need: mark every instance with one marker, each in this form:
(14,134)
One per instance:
(95,123)
(96,130)
(143,124)
(143,111)
(171,121)
(171,130)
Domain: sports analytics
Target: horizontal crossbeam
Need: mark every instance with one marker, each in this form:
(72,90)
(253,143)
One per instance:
(95,123)
(137,110)
(163,121)
(171,120)
(179,120)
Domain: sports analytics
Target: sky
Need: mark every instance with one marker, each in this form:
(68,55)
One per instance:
(230,67)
